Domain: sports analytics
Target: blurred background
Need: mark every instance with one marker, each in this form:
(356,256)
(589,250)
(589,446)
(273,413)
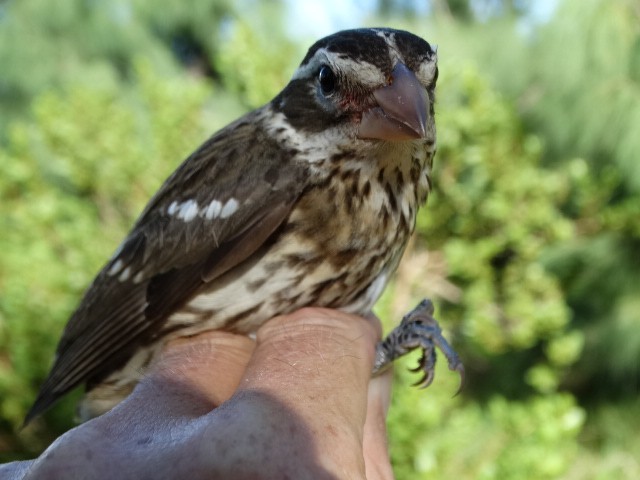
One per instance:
(530,244)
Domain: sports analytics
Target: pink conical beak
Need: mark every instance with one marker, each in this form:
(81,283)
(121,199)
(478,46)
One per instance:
(401,113)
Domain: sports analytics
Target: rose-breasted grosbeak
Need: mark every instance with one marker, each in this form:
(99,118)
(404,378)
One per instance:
(307,201)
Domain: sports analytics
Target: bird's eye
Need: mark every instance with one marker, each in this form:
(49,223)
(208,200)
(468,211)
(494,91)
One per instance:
(327,80)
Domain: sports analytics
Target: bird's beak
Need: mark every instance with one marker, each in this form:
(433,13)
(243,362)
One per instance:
(401,113)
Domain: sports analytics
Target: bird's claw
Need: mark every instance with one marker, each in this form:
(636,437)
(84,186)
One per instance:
(419,329)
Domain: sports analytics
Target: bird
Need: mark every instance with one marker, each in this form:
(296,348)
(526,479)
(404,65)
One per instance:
(308,200)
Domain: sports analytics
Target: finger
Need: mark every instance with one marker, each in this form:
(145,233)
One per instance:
(15,470)
(194,375)
(146,432)
(316,365)
(315,356)
(375,447)
(299,410)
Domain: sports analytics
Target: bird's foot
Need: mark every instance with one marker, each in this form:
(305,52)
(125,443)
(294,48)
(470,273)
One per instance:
(418,329)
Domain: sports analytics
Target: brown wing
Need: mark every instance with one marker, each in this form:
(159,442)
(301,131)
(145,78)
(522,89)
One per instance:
(217,209)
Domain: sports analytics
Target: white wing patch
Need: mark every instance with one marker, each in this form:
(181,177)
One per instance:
(213,210)
(216,209)
(115,268)
(126,273)
(186,211)
(189,209)
(172,208)
(229,208)
(139,277)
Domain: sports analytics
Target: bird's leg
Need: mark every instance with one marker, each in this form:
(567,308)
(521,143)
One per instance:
(418,329)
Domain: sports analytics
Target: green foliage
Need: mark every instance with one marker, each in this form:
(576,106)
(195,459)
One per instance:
(610,443)
(257,78)
(492,214)
(75,42)
(73,181)
(502,439)
(576,84)
(528,245)
(594,78)
(603,69)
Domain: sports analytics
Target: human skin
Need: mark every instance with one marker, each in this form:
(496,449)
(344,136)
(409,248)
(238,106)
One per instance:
(298,402)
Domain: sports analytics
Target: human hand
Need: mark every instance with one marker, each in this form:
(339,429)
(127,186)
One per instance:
(299,402)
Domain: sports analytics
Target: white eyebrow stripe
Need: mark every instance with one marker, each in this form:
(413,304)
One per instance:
(369,75)
(319,57)
(229,208)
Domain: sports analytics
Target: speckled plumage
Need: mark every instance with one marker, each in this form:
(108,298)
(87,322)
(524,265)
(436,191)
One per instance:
(309,200)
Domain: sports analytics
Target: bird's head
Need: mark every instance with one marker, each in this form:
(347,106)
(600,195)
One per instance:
(372,84)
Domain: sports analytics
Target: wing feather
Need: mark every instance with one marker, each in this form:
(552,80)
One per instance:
(181,241)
